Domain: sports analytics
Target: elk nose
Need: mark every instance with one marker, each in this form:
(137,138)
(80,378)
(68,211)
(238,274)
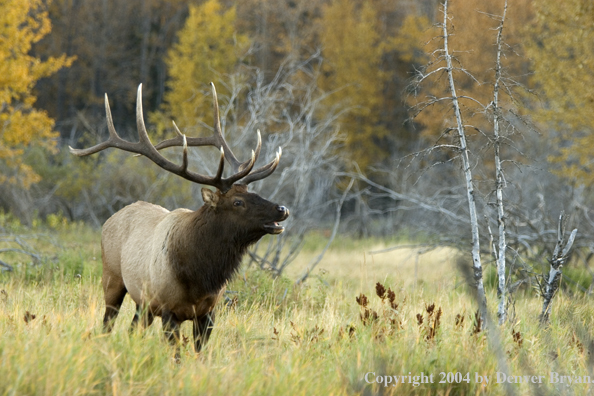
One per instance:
(282,209)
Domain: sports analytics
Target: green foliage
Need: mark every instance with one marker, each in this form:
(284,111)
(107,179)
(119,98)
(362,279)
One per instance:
(254,286)
(8,222)
(208,47)
(576,280)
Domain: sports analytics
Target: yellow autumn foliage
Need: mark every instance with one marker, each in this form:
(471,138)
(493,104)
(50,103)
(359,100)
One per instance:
(411,37)
(352,51)
(208,47)
(472,27)
(357,75)
(562,53)
(23,23)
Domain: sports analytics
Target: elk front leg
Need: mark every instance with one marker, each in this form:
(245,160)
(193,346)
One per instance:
(171,327)
(114,297)
(202,329)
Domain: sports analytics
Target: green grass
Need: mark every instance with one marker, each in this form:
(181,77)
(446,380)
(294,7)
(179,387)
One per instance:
(277,339)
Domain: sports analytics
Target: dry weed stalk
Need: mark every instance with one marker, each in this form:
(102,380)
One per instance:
(460,321)
(432,323)
(301,336)
(478,323)
(388,320)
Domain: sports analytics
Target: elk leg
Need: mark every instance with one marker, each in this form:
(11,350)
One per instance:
(171,328)
(135,319)
(144,314)
(114,297)
(202,329)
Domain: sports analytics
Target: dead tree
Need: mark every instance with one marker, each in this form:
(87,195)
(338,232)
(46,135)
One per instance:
(320,256)
(550,284)
(445,56)
(499,179)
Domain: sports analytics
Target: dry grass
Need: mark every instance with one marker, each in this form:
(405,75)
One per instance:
(281,339)
(407,266)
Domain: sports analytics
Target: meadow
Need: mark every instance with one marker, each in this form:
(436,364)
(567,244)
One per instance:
(337,334)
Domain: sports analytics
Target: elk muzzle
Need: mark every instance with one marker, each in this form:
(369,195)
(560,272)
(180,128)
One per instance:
(275,228)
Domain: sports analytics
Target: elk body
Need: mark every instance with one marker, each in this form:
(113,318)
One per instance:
(176,264)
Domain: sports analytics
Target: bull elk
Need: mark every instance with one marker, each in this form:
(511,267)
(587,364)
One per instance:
(176,264)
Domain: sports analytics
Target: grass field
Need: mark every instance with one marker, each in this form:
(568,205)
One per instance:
(279,339)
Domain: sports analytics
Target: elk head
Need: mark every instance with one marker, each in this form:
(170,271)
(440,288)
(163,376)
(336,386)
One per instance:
(249,212)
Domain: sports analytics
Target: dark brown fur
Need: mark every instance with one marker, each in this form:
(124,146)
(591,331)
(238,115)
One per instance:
(217,238)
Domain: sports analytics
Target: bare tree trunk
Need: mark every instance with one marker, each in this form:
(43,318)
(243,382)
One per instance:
(476,257)
(501,295)
(551,285)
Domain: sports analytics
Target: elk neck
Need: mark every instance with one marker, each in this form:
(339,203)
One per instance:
(205,252)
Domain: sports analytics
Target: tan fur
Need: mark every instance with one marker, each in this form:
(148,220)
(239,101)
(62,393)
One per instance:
(135,255)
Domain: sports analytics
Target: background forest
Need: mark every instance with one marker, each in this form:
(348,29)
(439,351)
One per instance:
(339,84)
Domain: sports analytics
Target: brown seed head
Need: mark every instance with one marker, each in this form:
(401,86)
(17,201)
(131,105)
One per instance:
(380,290)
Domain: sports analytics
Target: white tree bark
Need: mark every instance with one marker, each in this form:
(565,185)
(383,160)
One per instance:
(557,261)
(499,181)
(476,257)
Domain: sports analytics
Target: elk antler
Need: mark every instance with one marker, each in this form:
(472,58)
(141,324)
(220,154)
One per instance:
(146,148)
(218,140)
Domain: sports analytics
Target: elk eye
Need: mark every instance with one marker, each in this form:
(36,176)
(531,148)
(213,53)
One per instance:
(238,203)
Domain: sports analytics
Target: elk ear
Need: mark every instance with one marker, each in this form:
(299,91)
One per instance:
(210,197)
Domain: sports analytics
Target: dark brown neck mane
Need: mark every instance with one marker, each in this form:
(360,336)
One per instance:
(205,252)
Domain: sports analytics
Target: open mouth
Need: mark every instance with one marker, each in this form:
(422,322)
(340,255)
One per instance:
(273,228)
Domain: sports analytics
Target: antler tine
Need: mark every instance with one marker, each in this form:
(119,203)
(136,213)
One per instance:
(257,151)
(110,127)
(219,174)
(113,141)
(221,166)
(218,134)
(142,133)
(263,171)
(244,172)
(259,145)
(184,166)
(176,130)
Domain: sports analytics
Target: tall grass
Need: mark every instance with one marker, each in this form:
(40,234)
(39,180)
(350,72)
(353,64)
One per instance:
(276,339)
